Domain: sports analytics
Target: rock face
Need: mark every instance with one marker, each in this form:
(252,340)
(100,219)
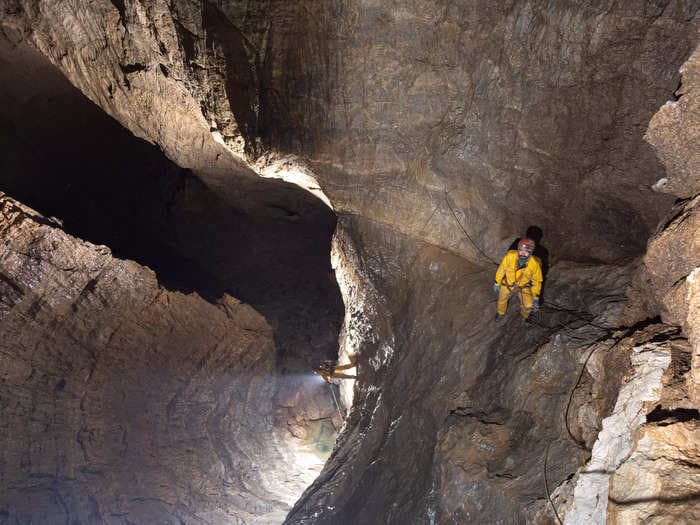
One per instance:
(659,482)
(123,401)
(614,442)
(55,142)
(674,134)
(473,439)
(438,131)
(502,107)
(656,480)
(61,155)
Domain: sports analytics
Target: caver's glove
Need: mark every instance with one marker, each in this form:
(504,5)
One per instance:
(536,304)
(496,288)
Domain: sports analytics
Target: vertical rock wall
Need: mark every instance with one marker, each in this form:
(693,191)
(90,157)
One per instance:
(521,112)
(453,414)
(122,402)
(65,156)
(673,255)
(658,480)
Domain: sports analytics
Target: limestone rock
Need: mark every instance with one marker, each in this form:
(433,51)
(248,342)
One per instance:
(123,402)
(675,133)
(660,481)
(693,321)
(438,131)
(673,256)
(408,115)
(654,479)
(614,442)
(485,423)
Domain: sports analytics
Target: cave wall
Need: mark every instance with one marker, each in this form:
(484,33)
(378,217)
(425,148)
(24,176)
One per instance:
(675,247)
(453,416)
(503,107)
(468,106)
(61,154)
(533,111)
(128,58)
(123,402)
(666,447)
(417,119)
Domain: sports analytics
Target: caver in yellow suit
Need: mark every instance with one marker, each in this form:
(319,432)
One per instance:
(520,273)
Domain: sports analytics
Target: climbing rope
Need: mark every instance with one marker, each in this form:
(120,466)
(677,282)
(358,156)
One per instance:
(337,406)
(579,315)
(466,234)
(546,487)
(579,442)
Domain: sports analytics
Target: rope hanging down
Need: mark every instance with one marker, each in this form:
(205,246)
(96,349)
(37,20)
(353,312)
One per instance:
(466,234)
(546,485)
(337,406)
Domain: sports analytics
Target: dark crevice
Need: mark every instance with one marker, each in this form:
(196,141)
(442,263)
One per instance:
(663,499)
(669,416)
(133,68)
(121,7)
(13,285)
(187,40)
(673,333)
(677,92)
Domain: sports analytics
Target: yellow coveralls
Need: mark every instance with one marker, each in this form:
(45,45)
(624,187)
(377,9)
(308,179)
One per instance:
(526,282)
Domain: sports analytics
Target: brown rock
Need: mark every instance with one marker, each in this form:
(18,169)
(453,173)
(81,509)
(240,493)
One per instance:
(122,398)
(693,322)
(674,132)
(298,432)
(672,254)
(454,124)
(447,110)
(660,482)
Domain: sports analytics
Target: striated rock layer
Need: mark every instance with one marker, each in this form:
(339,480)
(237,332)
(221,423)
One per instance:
(123,402)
